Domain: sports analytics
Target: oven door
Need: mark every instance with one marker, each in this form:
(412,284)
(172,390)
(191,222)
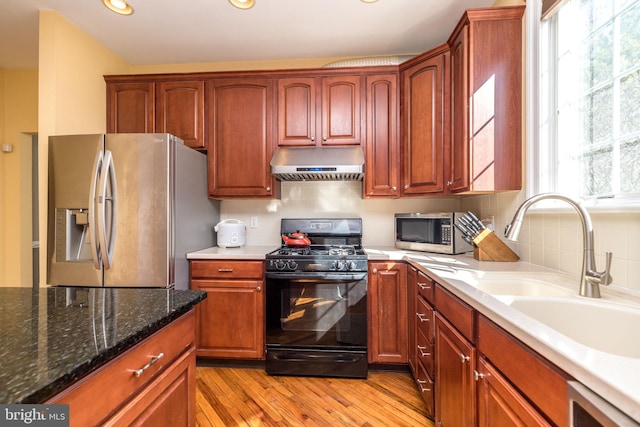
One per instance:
(316,324)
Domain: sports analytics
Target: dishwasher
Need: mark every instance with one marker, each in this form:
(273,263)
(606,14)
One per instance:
(587,409)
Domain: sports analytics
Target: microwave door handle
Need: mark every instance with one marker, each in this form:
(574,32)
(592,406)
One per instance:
(93,225)
(107,203)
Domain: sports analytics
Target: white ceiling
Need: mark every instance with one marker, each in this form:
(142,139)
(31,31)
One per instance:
(193,31)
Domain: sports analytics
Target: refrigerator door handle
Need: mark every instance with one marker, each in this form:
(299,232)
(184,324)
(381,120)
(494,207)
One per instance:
(93,225)
(107,182)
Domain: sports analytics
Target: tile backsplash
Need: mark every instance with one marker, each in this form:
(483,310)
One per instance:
(324,199)
(555,240)
(550,240)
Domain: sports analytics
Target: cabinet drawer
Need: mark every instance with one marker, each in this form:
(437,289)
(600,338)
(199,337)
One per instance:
(425,319)
(426,287)
(426,353)
(457,312)
(227,269)
(426,388)
(108,388)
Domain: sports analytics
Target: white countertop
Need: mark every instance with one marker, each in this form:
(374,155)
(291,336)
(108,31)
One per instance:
(615,378)
(244,252)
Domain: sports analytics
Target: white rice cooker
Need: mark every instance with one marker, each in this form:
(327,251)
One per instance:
(232,233)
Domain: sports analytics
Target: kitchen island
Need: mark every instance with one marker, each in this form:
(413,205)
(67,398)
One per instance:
(53,338)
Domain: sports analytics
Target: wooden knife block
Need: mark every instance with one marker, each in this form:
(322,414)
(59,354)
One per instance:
(489,247)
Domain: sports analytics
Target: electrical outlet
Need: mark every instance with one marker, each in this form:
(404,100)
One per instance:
(254,222)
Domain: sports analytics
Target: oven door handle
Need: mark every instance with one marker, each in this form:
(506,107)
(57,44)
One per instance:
(343,277)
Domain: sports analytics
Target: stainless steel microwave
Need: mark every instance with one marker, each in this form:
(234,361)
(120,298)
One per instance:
(430,232)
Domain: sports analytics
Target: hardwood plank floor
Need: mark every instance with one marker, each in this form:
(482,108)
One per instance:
(249,397)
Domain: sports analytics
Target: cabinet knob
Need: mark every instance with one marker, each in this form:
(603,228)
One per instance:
(258,288)
(268,188)
(313,138)
(324,138)
(477,375)
(394,188)
(406,186)
(374,271)
(464,358)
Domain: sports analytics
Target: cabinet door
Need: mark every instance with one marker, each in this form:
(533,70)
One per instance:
(459,163)
(231,319)
(180,111)
(455,363)
(382,175)
(423,141)
(499,404)
(240,132)
(130,108)
(297,111)
(387,302)
(341,110)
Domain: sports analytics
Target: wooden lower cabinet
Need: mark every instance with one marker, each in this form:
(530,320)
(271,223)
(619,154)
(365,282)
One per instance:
(455,364)
(231,318)
(163,394)
(387,302)
(500,404)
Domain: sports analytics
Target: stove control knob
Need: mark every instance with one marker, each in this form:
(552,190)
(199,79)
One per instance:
(352,265)
(340,265)
(279,264)
(292,265)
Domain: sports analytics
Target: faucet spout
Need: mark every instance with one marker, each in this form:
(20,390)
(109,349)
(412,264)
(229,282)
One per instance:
(590,279)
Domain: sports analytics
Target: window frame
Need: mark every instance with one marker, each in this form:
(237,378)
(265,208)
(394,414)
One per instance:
(533,130)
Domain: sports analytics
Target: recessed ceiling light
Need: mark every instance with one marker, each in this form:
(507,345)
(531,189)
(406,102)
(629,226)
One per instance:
(368,1)
(118,6)
(243,4)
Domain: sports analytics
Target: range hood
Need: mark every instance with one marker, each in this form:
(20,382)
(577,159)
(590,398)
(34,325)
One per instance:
(318,164)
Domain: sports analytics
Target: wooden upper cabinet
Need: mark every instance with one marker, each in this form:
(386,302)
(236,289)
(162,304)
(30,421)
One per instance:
(424,119)
(240,131)
(382,174)
(180,111)
(319,110)
(130,107)
(341,113)
(486,97)
(297,111)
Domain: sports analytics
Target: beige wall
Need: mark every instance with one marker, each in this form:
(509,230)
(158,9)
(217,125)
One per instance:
(71,99)
(18,120)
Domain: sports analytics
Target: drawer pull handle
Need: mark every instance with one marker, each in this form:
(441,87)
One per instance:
(151,362)
(423,285)
(422,389)
(423,317)
(422,352)
(225,270)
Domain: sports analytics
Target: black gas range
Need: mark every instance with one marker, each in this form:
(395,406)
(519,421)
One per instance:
(316,292)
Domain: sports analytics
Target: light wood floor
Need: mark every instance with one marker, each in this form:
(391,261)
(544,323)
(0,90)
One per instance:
(250,397)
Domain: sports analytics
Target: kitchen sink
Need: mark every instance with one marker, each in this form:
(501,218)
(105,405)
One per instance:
(516,284)
(522,287)
(602,325)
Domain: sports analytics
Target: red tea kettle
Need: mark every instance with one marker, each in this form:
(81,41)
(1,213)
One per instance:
(296,239)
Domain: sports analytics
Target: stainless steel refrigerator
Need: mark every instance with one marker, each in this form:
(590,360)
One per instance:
(125,209)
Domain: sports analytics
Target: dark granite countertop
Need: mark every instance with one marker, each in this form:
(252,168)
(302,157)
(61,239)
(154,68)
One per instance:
(51,337)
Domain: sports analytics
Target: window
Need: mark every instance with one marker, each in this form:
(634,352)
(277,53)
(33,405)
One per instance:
(589,117)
